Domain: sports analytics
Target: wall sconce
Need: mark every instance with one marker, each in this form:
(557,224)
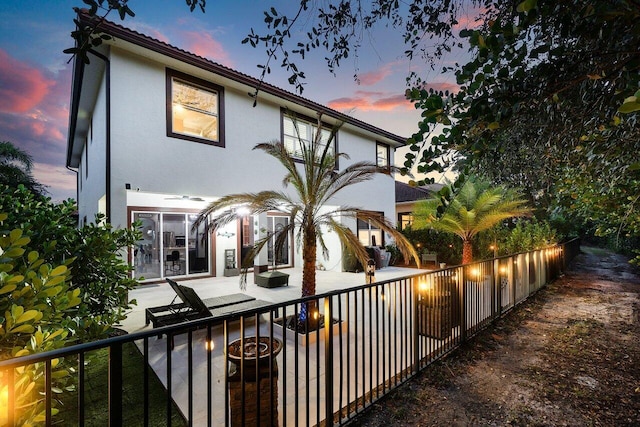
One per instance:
(225,234)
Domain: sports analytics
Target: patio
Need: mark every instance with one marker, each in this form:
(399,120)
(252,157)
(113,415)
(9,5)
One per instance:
(154,295)
(160,360)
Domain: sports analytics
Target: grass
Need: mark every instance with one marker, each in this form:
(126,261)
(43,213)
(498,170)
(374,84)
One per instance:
(96,393)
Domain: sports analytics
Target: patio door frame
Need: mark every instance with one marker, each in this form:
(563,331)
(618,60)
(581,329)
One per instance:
(270,218)
(185,212)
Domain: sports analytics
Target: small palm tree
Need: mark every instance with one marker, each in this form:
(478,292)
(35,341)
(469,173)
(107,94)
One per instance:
(315,182)
(15,168)
(475,207)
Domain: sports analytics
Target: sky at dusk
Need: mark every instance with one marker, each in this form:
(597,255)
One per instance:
(35,75)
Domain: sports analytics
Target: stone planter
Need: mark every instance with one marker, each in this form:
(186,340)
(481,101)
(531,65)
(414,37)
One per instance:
(259,383)
(308,338)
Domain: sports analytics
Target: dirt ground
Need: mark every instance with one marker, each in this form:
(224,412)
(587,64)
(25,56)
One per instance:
(570,356)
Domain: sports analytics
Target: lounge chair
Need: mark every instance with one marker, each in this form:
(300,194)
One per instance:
(193,307)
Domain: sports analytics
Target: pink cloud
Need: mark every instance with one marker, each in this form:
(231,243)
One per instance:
(469,20)
(149,31)
(34,114)
(443,86)
(383,101)
(203,44)
(373,77)
(371,101)
(22,87)
(54,176)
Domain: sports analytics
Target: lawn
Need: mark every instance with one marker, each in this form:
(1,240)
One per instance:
(96,393)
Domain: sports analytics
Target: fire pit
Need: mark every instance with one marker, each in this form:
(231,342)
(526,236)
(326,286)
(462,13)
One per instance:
(253,349)
(253,390)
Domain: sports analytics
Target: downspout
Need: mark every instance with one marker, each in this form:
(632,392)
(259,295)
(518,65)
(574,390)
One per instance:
(77,189)
(107,132)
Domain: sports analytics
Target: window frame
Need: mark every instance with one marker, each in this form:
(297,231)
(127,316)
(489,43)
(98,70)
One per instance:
(370,228)
(284,114)
(202,84)
(387,167)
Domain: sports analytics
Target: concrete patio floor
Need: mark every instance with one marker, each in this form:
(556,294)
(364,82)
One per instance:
(162,294)
(159,294)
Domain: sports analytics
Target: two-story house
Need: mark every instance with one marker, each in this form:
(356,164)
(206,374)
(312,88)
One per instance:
(156,133)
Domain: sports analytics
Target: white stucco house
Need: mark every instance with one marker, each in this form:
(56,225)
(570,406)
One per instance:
(156,133)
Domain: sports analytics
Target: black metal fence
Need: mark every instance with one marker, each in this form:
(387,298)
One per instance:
(251,369)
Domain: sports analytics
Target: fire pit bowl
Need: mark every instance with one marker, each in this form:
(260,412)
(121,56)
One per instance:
(253,349)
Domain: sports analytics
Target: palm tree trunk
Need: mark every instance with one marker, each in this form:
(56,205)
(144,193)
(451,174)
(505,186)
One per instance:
(309,247)
(467,252)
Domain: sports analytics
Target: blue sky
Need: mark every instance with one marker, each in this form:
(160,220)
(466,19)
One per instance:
(35,76)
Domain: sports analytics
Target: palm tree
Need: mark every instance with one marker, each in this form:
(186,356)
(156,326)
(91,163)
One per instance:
(476,206)
(15,168)
(315,182)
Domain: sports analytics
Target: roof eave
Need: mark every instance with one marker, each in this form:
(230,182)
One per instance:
(155,45)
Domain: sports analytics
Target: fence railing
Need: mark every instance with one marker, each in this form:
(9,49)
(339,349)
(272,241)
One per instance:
(375,337)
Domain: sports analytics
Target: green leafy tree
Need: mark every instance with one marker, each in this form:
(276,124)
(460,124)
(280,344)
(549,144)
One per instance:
(550,105)
(91,252)
(467,209)
(15,168)
(315,183)
(36,304)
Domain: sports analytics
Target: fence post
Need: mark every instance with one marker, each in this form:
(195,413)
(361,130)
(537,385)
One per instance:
(328,361)
(415,287)
(115,384)
(497,280)
(463,305)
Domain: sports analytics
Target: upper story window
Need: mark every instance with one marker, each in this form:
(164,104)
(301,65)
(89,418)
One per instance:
(382,155)
(296,132)
(195,109)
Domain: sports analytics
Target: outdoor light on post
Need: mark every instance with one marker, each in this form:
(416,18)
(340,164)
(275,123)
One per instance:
(371,271)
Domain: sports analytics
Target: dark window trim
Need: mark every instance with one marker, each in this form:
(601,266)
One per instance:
(358,220)
(288,113)
(157,209)
(388,147)
(206,85)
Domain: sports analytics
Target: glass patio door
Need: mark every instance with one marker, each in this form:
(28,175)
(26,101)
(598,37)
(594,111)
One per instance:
(169,247)
(174,244)
(198,243)
(146,252)
(278,256)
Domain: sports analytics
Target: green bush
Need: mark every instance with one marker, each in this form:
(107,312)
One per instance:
(448,246)
(36,302)
(92,254)
(528,235)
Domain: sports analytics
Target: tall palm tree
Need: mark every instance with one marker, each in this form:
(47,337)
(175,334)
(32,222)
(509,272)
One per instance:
(315,182)
(15,168)
(476,206)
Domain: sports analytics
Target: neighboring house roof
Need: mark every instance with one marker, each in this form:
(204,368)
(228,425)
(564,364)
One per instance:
(123,34)
(408,193)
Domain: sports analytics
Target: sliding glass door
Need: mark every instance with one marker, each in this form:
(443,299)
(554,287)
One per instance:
(278,255)
(169,247)
(146,252)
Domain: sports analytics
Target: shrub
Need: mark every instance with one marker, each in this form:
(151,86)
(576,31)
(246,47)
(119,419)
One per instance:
(528,235)
(448,246)
(97,271)
(36,302)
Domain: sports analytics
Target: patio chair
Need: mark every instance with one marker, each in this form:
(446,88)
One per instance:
(193,307)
